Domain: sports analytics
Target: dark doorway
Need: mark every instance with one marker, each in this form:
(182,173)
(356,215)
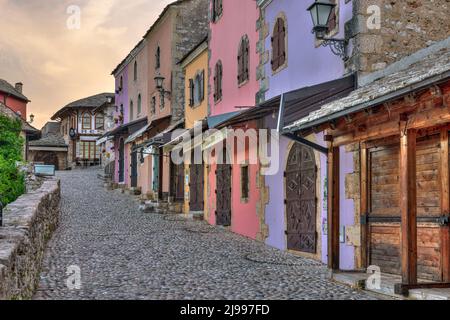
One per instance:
(121,161)
(223,192)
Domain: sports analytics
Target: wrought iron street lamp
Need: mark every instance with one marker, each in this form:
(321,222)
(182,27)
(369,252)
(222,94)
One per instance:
(320,13)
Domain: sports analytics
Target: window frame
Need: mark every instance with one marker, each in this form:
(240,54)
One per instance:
(135,71)
(101,116)
(131,109)
(86,113)
(139,105)
(216,10)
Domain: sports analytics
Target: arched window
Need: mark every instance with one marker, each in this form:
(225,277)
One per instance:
(139,106)
(135,71)
(121,84)
(99,121)
(86,121)
(131,110)
(158,58)
(243,60)
(279,44)
(218,75)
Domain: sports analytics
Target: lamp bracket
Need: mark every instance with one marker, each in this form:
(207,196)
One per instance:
(337,46)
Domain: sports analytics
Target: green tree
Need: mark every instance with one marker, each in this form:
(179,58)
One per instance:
(12,182)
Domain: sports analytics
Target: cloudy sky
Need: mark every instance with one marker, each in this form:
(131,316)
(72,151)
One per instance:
(58,64)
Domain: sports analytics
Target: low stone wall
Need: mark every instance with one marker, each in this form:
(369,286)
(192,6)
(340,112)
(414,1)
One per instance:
(28,224)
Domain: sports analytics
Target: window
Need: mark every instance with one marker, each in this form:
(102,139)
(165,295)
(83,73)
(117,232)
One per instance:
(88,150)
(218,74)
(135,71)
(131,110)
(216,10)
(243,60)
(99,122)
(279,45)
(121,84)
(153,106)
(197,89)
(158,58)
(245,181)
(139,106)
(86,121)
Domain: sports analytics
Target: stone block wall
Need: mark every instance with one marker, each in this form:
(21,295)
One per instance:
(28,224)
(382,32)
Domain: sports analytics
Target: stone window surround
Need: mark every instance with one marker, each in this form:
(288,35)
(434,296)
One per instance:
(283,16)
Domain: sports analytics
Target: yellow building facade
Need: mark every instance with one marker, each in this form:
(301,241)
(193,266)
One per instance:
(195,66)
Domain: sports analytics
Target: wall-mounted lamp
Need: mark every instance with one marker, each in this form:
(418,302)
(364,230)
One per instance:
(31,118)
(320,13)
(159,81)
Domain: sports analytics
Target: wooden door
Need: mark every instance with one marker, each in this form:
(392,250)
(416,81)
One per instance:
(121,161)
(300,188)
(223,192)
(134,172)
(384,238)
(196,187)
(177,181)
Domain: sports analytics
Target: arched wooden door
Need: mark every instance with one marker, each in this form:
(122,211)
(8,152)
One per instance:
(300,188)
(223,192)
(121,161)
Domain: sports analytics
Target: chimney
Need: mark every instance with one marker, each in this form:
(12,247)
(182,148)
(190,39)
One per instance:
(19,86)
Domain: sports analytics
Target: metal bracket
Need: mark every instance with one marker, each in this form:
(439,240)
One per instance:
(337,46)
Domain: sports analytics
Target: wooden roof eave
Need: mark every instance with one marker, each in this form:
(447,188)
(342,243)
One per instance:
(328,122)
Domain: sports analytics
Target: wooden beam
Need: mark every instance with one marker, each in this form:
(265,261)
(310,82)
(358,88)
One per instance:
(333,208)
(364,205)
(428,118)
(445,203)
(408,205)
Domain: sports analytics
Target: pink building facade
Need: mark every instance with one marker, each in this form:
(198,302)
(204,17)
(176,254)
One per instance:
(233,34)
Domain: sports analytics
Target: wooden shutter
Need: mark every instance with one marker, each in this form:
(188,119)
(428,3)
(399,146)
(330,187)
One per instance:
(282,42)
(202,85)
(275,46)
(245,66)
(191,92)
(219,81)
(240,63)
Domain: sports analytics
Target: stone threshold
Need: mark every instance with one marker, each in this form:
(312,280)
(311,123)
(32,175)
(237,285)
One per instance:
(358,280)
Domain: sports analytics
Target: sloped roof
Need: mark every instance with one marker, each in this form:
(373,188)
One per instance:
(421,73)
(94,101)
(50,140)
(4,110)
(6,87)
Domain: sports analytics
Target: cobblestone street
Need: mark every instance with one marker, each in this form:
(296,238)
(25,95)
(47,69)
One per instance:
(126,254)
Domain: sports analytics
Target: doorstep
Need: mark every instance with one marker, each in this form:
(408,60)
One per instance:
(388,281)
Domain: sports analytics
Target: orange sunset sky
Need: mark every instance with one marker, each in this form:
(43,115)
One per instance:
(58,65)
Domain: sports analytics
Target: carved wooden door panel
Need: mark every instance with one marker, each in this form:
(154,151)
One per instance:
(301,199)
(223,195)
(196,188)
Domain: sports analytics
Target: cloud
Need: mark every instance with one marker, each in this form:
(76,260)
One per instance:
(58,65)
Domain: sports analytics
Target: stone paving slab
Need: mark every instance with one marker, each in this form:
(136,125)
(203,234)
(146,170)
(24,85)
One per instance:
(123,253)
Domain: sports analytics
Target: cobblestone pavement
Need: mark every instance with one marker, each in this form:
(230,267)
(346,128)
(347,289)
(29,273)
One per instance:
(125,254)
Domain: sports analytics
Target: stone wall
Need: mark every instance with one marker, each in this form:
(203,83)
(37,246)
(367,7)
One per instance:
(403,27)
(28,224)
